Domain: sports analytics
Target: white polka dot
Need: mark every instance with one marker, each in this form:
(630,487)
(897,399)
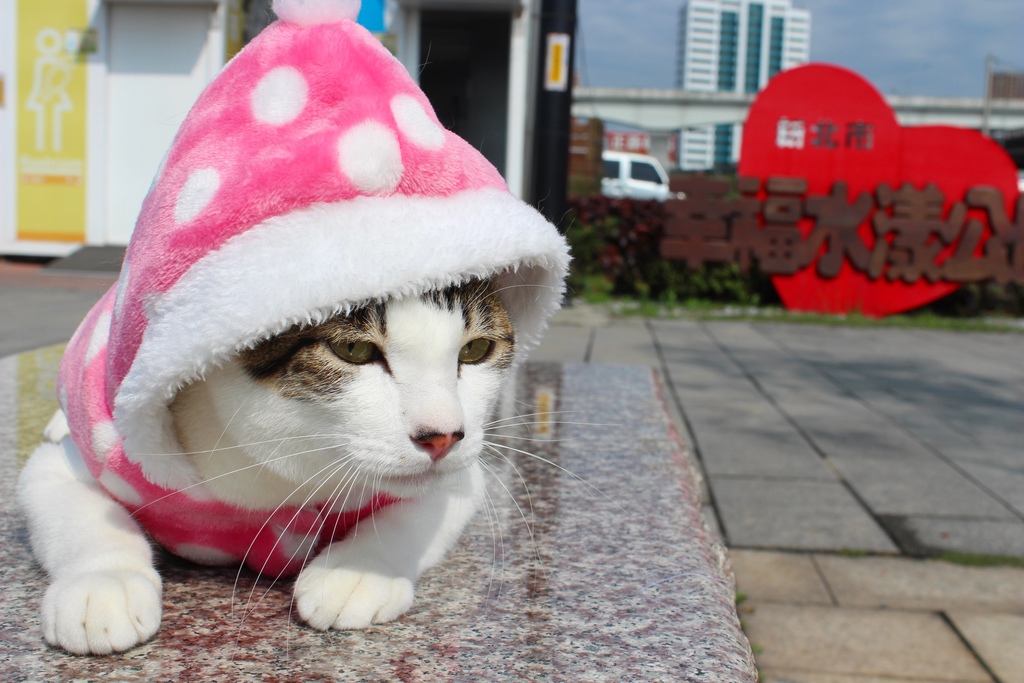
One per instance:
(280,96)
(119,488)
(415,123)
(98,340)
(202,554)
(196,194)
(122,287)
(370,156)
(104,438)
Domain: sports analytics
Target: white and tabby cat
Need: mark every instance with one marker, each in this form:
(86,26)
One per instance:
(389,400)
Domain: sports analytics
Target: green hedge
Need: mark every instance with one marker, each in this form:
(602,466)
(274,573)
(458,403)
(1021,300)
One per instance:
(615,253)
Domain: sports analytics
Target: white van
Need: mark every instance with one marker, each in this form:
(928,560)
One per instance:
(633,176)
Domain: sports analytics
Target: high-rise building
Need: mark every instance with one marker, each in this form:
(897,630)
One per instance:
(734,46)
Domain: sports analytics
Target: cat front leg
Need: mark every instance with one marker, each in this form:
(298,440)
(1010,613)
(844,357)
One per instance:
(369,577)
(104,594)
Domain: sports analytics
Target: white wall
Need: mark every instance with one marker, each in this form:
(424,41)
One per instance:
(160,59)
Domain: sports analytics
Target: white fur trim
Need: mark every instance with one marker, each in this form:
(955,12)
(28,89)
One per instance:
(280,96)
(309,12)
(368,153)
(195,194)
(307,265)
(415,123)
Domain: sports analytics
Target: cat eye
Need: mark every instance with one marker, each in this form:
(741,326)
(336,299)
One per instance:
(475,351)
(359,352)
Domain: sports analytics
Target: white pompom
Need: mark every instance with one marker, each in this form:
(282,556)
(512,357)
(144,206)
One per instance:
(309,12)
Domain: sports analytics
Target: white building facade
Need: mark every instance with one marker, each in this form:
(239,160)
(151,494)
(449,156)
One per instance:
(93,91)
(734,46)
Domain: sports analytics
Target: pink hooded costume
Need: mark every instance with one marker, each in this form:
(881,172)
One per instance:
(310,176)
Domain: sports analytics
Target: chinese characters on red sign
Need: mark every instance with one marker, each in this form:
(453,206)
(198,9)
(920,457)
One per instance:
(852,211)
(912,239)
(824,134)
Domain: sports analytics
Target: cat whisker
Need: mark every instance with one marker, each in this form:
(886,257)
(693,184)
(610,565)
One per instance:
(519,416)
(495,525)
(536,439)
(571,474)
(260,464)
(342,485)
(522,514)
(247,444)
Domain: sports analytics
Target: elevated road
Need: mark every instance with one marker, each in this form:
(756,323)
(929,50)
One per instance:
(664,110)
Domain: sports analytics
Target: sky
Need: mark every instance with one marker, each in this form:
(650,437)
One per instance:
(904,47)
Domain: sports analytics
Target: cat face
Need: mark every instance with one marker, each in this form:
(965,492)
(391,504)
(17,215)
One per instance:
(388,398)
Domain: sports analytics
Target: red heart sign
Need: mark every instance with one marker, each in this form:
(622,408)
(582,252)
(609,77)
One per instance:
(828,125)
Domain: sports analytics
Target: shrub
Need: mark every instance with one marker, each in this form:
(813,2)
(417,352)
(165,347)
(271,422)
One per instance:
(615,246)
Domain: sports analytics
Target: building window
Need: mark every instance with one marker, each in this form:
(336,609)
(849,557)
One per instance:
(755,24)
(727,48)
(723,145)
(775,47)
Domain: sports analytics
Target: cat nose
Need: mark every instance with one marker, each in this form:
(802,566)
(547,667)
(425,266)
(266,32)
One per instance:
(435,444)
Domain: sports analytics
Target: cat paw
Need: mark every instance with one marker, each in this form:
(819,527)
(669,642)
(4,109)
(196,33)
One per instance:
(102,612)
(341,598)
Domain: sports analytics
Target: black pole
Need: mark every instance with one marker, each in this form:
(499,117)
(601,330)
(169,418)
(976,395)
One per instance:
(553,115)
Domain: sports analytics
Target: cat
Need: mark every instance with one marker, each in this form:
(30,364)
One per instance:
(377,411)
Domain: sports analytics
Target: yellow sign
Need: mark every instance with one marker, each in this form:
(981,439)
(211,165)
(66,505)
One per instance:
(234,36)
(51,116)
(556,71)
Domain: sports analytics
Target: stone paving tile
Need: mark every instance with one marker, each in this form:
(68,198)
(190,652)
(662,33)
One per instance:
(784,676)
(765,576)
(912,646)
(892,472)
(904,583)
(563,344)
(624,343)
(944,400)
(754,440)
(919,535)
(998,639)
(795,515)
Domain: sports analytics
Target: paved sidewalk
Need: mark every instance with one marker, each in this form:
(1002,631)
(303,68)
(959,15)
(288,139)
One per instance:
(836,458)
(41,306)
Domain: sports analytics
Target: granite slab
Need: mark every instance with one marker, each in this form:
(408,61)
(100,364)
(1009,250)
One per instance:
(592,562)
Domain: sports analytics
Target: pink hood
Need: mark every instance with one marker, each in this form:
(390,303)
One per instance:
(312,175)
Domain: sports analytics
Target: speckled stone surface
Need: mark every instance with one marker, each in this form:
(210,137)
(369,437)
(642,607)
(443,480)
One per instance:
(591,563)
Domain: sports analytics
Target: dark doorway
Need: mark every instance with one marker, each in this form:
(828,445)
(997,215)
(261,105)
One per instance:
(465,58)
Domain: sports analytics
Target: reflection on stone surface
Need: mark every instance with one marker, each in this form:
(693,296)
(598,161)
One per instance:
(590,562)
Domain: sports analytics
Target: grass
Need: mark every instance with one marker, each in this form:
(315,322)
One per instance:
(698,309)
(973,560)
